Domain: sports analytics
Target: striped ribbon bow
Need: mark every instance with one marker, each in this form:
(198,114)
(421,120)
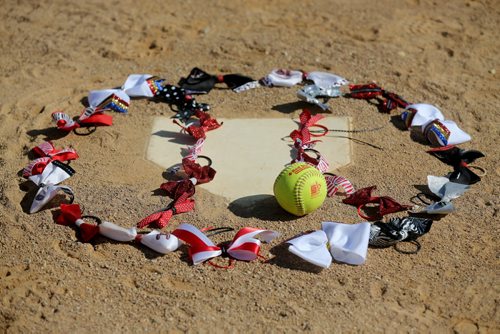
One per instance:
(47,153)
(243,247)
(335,182)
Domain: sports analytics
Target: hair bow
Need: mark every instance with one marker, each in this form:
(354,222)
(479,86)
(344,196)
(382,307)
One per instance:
(243,247)
(90,117)
(46,153)
(388,100)
(200,82)
(159,242)
(54,173)
(386,204)
(397,230)
(459,159)
(161,218)
(342,242)
(446,191)
(282,78)
(428,120)
(205,124)
(310,94)
(334,182)
(143,85)
(303,135)
(325,80)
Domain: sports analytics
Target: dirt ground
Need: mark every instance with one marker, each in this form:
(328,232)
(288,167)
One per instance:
(53,53)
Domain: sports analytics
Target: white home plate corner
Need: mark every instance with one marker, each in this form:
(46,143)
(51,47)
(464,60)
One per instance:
(248,154)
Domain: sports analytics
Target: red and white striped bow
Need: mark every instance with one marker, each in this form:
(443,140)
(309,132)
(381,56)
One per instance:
(47,153)
(47,149)
(243,247)
(334,182)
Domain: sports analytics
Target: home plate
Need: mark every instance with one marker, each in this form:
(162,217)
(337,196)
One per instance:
(248,154)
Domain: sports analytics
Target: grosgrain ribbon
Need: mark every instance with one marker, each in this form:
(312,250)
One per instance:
(243,247)
(303,134)
(54,173)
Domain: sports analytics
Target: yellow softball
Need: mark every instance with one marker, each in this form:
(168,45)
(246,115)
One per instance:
(300,188)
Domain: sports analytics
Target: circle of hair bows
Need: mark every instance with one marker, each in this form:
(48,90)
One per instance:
(339,242)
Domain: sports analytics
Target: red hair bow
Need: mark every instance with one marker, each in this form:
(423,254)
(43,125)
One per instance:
(72,215)
(206,123)
(386,204)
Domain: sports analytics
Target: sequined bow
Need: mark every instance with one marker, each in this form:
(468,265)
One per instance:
(205,124)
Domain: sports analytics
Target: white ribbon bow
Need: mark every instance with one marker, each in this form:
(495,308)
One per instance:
(430,121)
(446,190)
(159,242)
(326,80)
(344,242)
(282,78)
(54,173)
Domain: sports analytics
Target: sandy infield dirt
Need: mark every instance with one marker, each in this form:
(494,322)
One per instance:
(439,52)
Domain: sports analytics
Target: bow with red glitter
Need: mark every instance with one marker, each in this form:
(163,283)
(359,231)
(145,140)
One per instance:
(386,204)
(243,247)
(206,123)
